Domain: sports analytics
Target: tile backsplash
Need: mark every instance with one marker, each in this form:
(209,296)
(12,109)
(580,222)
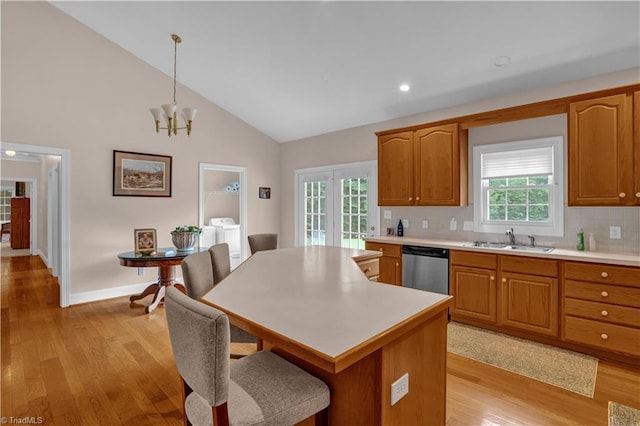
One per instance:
(593,220)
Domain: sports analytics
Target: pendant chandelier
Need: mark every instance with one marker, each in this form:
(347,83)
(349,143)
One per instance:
(168,111)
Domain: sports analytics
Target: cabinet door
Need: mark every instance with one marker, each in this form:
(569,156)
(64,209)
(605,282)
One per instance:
(437,166)
(601,153)
(474,293)
(530,303)
(390,270)
(395,169)
(636,144)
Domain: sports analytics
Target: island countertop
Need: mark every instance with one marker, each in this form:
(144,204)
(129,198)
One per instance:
(318,300)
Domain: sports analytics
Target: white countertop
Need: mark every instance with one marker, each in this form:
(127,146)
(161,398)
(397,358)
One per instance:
(556,253)
(317,297)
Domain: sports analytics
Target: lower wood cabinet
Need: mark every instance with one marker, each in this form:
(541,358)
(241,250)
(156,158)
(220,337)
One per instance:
(390,262)
(601,307)
(529,294)
(472,282)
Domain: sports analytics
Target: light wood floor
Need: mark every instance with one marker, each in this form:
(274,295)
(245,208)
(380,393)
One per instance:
(106,363)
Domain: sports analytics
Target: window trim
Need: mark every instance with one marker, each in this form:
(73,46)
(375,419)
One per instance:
(555,227)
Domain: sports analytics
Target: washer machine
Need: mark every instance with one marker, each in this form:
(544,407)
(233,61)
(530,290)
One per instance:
(225,230)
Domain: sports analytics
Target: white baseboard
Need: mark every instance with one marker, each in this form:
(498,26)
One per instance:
(44,258)
(108,293)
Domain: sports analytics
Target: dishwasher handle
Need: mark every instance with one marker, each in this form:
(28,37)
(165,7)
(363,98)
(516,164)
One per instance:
(426,251)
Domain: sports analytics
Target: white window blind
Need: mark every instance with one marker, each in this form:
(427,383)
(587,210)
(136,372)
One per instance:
(521,162)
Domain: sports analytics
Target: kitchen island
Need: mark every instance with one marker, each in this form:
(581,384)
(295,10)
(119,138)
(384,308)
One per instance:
(315,307)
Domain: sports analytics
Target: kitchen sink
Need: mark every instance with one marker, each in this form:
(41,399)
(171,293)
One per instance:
(488,244)
(538,249)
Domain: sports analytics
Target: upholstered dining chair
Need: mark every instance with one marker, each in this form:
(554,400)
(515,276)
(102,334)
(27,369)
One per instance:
(221,268)
(199,277)
(259,389)
(260,242)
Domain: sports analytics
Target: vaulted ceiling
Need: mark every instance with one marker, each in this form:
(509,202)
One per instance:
(296,69)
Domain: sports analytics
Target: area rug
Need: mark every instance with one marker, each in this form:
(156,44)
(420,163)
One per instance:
(558,367)
(621,415)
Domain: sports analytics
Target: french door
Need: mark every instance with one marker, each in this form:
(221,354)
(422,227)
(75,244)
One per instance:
(337,205)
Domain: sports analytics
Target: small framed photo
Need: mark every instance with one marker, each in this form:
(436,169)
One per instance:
(141,175)
(145,241)
(264,192)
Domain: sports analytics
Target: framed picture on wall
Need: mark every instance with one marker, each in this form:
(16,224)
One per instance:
(145,241)
(264,192)
(141,175)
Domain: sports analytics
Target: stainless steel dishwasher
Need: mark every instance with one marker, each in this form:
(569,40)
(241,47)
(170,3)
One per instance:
(425,268)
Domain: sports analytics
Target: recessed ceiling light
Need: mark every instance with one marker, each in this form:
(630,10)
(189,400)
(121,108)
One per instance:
(10,153)
(500,61)
(404,87)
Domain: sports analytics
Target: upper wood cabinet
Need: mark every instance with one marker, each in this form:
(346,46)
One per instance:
(636,142)
(395,169)
(425,167)
(440,166)
(602,168)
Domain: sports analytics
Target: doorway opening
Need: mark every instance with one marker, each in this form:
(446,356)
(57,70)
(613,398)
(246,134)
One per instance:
(61,246)
(223,197)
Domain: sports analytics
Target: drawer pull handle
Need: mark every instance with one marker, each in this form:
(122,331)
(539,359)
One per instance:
(366,271)
(604,294)
(604,275)
(603,336)
(492,278)
(604,313)
(622,195)
(380,249)
(637,194)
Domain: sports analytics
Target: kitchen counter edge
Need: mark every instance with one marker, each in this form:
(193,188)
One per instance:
(622,259)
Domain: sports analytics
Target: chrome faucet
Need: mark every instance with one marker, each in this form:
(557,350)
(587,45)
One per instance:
(532,240)
(512,237)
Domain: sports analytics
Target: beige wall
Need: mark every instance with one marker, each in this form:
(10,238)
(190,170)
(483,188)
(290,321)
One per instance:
(359,144)
(67,87)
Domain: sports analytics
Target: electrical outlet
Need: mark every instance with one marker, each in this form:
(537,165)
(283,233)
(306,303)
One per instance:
(615,233)
(425,224)
(453,224)
(467,225)
(140,272)
(405,223)
(399,388)
(387,214)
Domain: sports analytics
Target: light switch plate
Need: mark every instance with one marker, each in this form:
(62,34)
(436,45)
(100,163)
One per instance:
(405,223)
(399,388)
(615,233)
(425,224)
(387,214)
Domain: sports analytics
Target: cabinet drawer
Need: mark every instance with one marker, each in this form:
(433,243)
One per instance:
(606,274)
(472,259)
(530,265)
(622,315)
(613,294)
(602,335)
(371,267)
(391,250)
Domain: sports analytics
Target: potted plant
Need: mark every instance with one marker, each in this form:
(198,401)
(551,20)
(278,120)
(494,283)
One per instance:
(185,237)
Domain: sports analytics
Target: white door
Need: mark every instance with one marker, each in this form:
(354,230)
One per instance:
(337,206)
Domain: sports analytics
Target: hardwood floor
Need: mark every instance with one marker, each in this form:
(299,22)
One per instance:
(106,363)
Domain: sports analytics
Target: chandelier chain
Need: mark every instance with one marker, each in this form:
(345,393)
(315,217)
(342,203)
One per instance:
(175,57)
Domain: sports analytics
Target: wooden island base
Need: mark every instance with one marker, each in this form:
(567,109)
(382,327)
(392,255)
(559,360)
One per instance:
(361,394)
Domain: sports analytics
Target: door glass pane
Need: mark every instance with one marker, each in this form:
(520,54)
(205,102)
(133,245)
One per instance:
(315,213)
(354,212)
(5,204)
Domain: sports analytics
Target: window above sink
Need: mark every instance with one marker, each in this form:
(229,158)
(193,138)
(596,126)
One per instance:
(519,185)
